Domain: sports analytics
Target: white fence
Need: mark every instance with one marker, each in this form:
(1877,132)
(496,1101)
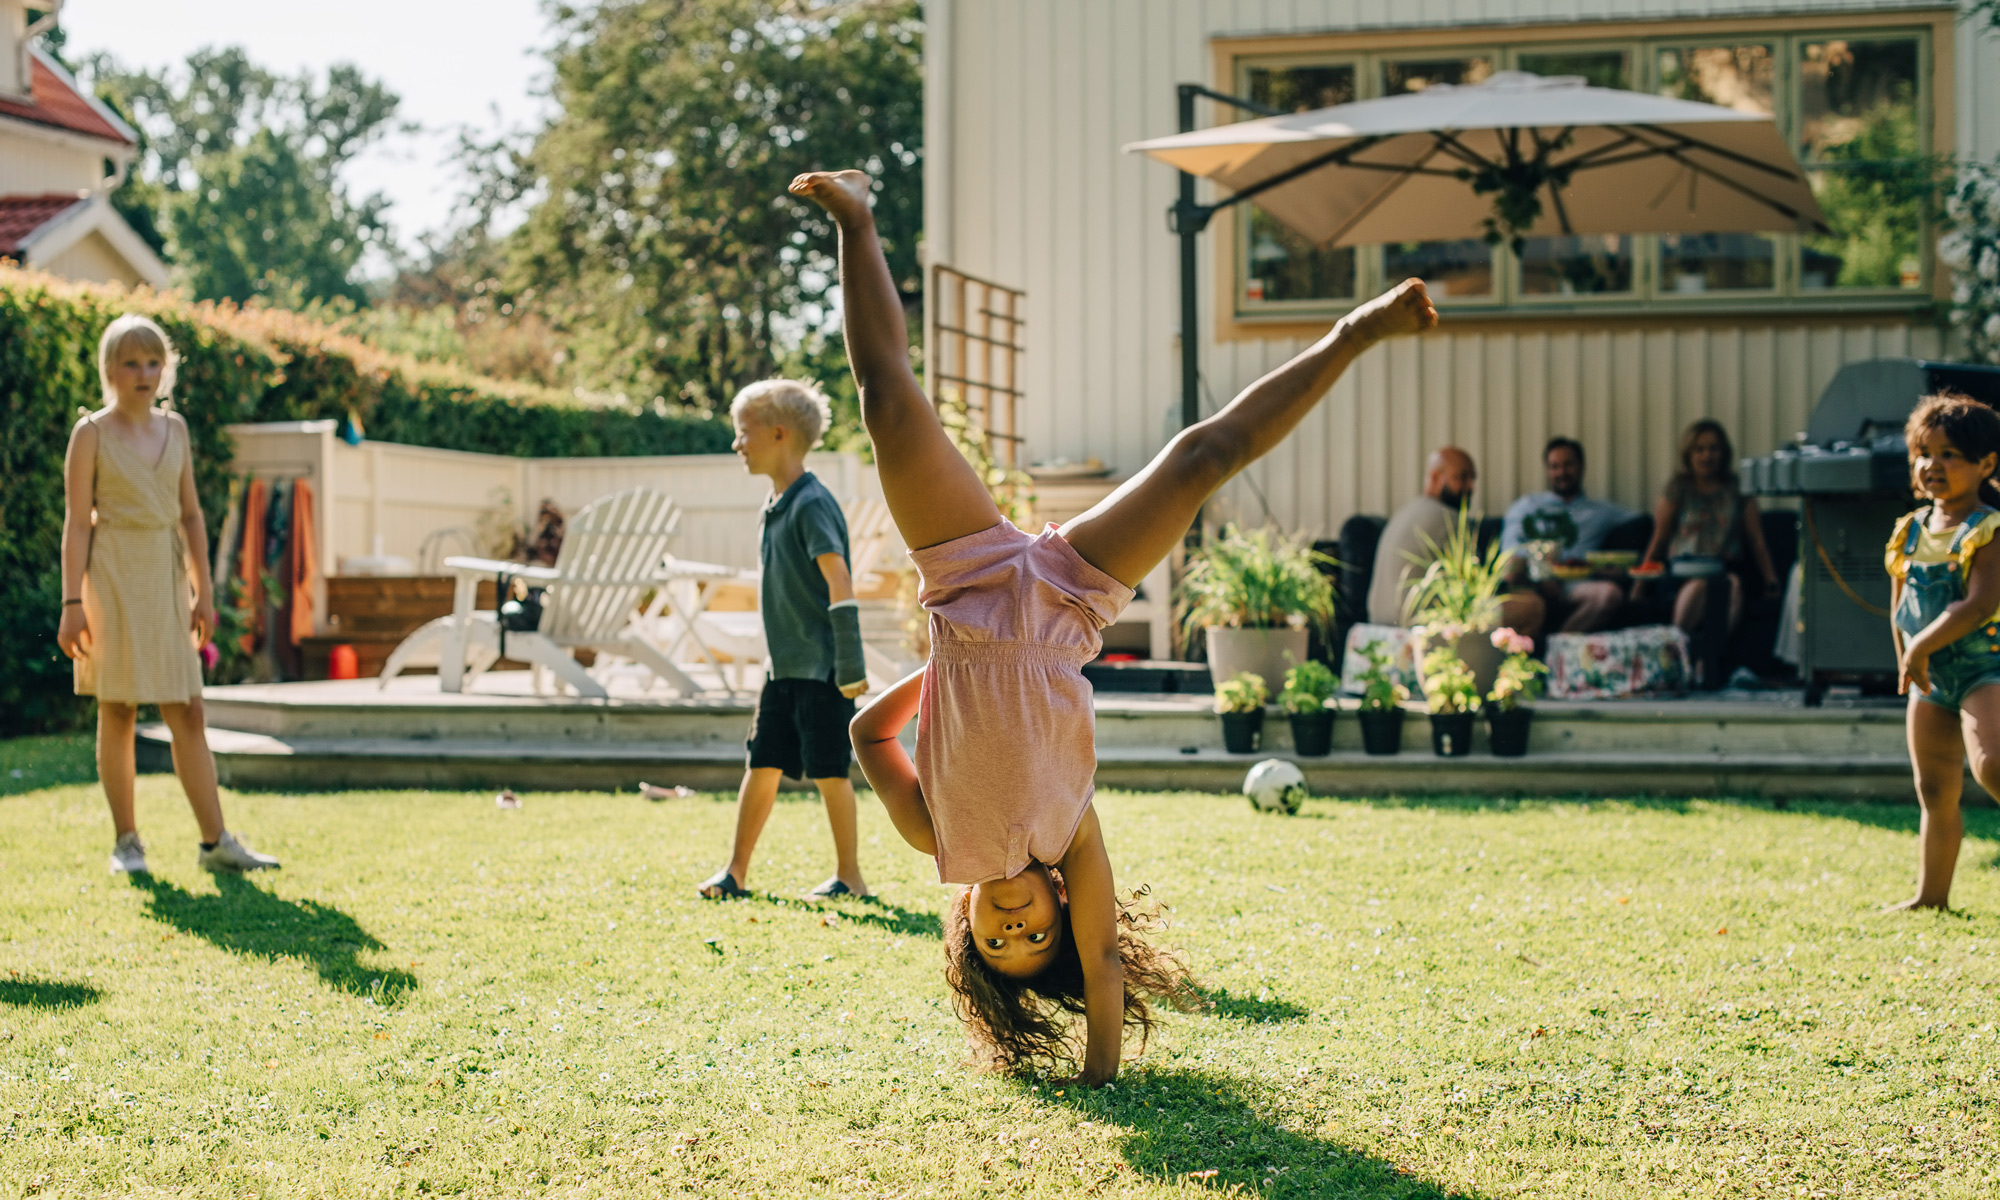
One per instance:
(421,504)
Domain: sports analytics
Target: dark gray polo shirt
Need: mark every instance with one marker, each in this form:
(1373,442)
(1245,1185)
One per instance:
(799,524)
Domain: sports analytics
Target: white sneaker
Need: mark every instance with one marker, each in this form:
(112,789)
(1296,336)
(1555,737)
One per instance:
(128,855)
(230,854)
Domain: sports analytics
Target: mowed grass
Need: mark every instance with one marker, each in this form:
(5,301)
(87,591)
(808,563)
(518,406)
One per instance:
(1471,998)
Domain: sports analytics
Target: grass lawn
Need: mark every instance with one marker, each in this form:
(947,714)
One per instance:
(1462,998)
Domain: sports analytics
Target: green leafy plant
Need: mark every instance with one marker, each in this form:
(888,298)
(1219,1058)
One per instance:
(1247,692)
(1460,586)
(1380,689)
(1259,579)
(1520,675)
(1516,185)
(1448,683)
(1308,687)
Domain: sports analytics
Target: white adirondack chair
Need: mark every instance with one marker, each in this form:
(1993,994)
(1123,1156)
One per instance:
(611,555)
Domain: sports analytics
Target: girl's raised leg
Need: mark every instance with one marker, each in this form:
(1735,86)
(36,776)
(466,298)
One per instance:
(1130,531)
(933,493)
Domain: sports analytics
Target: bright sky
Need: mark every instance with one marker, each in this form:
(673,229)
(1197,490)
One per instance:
(454,63)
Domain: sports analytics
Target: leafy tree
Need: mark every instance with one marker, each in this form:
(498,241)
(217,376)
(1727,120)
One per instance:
(660,229)
(242,169)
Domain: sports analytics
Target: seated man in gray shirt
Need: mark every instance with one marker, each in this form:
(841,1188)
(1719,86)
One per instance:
(1403,552)
(1577,525)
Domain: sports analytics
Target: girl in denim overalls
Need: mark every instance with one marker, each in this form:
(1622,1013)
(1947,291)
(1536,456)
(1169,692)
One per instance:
(1946,588)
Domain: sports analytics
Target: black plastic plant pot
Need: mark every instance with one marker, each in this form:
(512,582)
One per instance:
(1507,731)
(1243,732)
(1312,733)
(1451,733)
(1381,730)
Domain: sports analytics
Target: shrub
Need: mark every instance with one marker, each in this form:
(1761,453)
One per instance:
(1257,579)
(1247,692)
(1308,687)
(1380,689)
(237,365)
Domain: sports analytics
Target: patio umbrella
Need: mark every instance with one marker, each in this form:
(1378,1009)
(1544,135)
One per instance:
(1516,156)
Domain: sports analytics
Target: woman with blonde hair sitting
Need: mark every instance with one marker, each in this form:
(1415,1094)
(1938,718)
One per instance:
(1703,513)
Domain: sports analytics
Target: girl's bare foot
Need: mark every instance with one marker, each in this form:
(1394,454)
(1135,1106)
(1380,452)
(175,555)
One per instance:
(844,194)
(1917,905)
(1405,308)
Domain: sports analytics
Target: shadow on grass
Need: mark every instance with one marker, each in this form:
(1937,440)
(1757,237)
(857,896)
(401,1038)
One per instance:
(1248,1009)
(44,993)
(870,910)
(1196,1126)
(245,919)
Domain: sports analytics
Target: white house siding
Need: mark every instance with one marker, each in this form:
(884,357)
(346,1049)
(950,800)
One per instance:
(1030,102)
(94,259)
(32,161)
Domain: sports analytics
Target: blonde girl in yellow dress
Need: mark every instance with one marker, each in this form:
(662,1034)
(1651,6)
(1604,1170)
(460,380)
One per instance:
(137,597)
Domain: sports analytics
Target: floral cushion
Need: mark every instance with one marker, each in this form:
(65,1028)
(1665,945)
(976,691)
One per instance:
(1402,656)
(1646,660)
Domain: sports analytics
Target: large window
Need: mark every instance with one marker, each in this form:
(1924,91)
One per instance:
(1855,109)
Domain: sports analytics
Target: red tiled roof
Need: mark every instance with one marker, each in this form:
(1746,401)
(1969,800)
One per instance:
(20,216)
(57,103)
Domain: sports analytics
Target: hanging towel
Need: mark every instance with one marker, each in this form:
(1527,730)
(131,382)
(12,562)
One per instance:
(250,563)
(303,576)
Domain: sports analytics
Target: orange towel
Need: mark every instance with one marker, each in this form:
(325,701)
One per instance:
(250,560)
(303,561)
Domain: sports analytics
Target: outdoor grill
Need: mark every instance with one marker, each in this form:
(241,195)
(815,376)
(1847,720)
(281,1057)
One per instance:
(1850,471)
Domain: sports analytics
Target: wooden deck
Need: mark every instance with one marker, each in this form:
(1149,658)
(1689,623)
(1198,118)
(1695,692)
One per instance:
(352,733)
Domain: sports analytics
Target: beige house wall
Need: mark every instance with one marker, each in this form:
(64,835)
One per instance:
(1028,106)
(31,163)
(93,259)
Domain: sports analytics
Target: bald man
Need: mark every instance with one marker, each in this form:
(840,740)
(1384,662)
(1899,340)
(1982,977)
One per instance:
(1402,554)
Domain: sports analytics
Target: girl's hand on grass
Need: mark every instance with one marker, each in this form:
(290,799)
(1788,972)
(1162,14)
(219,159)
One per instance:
(73,634)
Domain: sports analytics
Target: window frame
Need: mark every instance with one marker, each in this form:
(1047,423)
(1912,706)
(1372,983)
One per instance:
(1641,42)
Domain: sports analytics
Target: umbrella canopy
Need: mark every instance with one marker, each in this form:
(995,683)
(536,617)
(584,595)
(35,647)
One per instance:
(1518,155)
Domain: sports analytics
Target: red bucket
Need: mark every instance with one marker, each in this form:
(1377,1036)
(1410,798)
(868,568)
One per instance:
(341,662)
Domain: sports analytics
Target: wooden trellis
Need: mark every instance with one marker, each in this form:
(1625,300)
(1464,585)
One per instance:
(975,354)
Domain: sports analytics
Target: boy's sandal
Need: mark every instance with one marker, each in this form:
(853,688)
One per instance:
(721,886)
(833,888)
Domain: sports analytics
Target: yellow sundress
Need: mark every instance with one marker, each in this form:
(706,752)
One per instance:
(137,593)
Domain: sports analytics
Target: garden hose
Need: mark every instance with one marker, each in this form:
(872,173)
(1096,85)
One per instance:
(1812,530)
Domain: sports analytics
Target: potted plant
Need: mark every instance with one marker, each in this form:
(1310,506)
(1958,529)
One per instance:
(1240,703)
(1519,679)
(1453,697)
(1308,701)
(1252,595)
(1457,600)
(1382,696)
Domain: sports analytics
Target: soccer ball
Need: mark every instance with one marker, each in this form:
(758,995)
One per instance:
(1275,785)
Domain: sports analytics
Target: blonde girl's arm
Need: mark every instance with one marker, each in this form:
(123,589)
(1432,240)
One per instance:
(195,536)
(875,730)
(1093,922)
(79,489)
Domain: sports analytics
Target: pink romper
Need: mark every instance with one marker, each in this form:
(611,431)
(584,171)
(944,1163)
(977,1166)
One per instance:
(1006,747)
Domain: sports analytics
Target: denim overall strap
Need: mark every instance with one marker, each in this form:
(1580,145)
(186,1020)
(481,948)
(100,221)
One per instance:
(1915,533)
(1965,527)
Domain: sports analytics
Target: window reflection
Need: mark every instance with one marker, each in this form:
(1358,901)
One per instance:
(1862,148)
(1587,265)
(1743,77)
(1692,263)
(1457,270)
(1599,68)
(1278,264)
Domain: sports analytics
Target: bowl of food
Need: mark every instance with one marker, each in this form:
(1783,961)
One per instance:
(1570,572)
(1612,560)
(1651,570)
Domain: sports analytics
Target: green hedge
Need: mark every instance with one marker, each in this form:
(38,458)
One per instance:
(236,366)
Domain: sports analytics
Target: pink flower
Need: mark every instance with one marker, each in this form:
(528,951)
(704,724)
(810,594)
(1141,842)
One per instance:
(209,656)
(1513,643)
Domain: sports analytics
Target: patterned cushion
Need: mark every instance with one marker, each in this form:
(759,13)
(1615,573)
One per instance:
(1645,660)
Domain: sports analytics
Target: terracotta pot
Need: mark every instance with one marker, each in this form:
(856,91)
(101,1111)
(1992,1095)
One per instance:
(1243,732)
(1451,733)
(1381,730)
(1312,733)
(1477,651)
(1507,731)
(1266,652)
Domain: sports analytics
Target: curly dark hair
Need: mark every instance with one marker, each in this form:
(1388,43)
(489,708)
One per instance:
(1967,424)
(1028,1023)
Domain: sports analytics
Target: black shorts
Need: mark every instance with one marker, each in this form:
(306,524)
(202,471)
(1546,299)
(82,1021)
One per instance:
(801,729)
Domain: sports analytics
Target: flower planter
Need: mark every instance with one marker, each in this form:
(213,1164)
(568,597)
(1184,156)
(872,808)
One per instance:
(1265,652)
(1451,733)
(1312,733)
(1507,731)
(1243,732)
(1381,730)
(1477,651)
